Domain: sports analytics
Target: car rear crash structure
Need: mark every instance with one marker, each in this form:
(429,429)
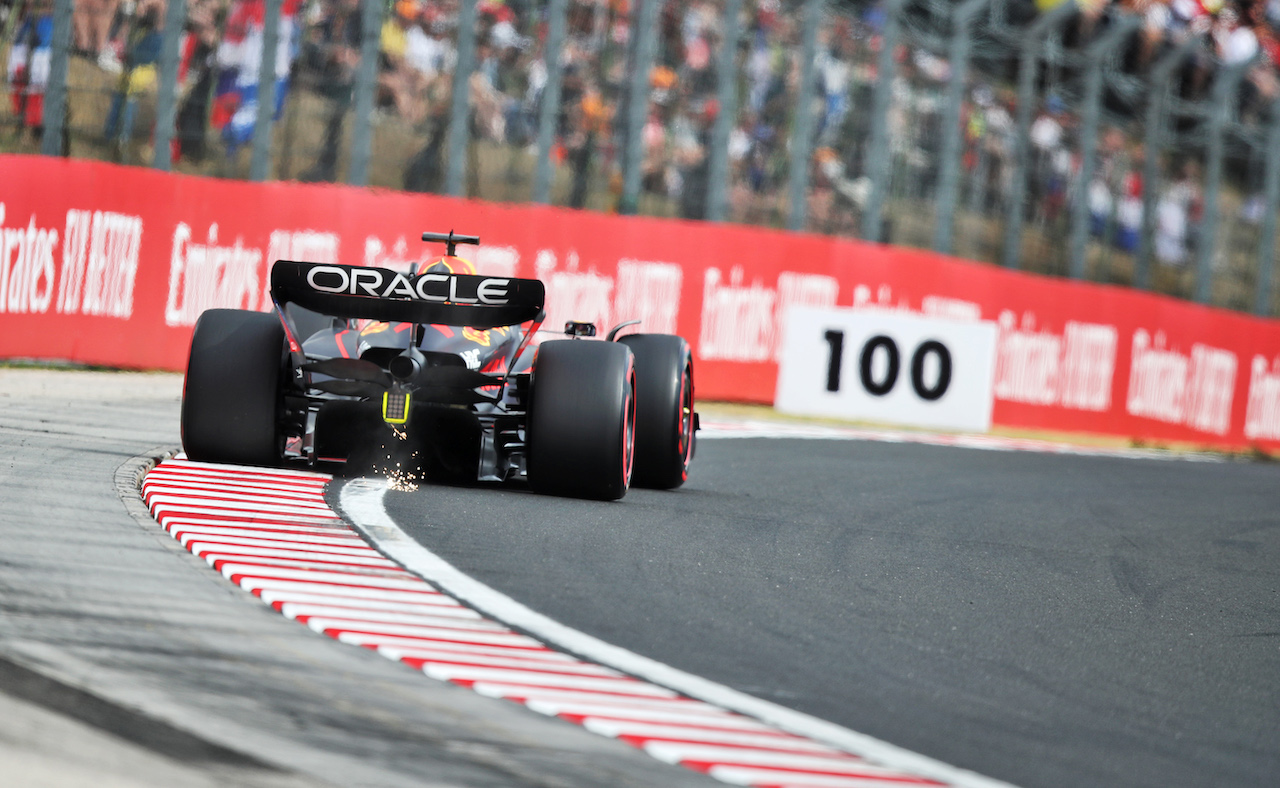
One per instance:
(437,369)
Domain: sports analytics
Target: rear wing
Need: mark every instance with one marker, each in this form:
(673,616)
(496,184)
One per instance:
(345,291)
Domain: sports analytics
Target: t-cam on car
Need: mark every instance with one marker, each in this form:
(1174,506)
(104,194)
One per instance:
(438,367)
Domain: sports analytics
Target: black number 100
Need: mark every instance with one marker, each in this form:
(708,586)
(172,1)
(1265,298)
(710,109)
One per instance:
(879,388)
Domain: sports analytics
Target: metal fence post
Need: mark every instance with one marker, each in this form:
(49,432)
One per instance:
(549,109)
(978,192)
(952,134)
(366,83)
(167,97)
(460,102)
(55,95)
(802,125)
(1267,242)
(1028,66)
(1157,102)
(260,164)
(1224,90)
(644,25)
(727,98)
(878,153)
(1096,54)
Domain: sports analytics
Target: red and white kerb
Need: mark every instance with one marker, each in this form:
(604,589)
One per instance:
(270,532)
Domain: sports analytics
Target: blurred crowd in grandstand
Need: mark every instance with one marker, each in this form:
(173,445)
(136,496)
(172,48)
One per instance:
(320,52)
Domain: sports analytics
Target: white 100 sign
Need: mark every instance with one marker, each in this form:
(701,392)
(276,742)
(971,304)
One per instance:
(878,379)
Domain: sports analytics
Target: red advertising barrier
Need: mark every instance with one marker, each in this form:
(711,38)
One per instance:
(111,265)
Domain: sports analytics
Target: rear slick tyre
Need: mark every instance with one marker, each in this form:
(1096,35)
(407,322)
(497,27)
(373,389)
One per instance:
(231,395)
(664,409)
(582,419)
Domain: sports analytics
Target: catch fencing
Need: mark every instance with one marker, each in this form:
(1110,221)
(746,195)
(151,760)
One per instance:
(1055,141)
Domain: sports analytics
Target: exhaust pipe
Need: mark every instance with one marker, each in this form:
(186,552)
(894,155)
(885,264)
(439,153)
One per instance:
(407,365)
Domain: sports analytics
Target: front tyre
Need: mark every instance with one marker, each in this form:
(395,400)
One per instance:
(231,395)
(582,420)
(664,409)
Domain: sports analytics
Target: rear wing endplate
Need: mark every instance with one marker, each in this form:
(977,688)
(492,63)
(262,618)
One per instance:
(345,291)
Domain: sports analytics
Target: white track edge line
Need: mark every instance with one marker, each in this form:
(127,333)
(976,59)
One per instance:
(735,430)
(361,500)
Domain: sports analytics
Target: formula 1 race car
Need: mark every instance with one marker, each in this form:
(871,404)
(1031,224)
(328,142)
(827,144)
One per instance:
(437,370)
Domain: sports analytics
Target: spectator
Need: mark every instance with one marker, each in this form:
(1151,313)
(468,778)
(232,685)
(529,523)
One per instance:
(424,171)
(762,66)
(998,144)
(1129,209)
(400,84)
(847,196)
(1107,192)
(91,22)
(28,67)
(488,104)
(142,54)
(589,120)
(1263,77)
(835,55)
(428,50)
(239,59)
(1235,42)
(1156,21)
(1177,210)
(762,168)
(653,176)
(1050,158)
(1086,23)
(198,69)
(693,161)
(332,53)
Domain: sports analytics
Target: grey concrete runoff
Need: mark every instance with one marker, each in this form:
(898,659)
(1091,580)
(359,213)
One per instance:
(64,736)
(125,657)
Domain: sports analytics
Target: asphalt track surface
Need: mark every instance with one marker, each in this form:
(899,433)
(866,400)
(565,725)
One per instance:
(1046,620)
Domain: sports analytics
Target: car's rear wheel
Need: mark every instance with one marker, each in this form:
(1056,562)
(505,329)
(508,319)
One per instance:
(664,409)
(582,419)
(231,397)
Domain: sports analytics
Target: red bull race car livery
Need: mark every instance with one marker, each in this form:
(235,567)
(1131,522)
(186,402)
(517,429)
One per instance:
(437,369)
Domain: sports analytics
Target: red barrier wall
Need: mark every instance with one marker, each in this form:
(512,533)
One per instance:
(110,265)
